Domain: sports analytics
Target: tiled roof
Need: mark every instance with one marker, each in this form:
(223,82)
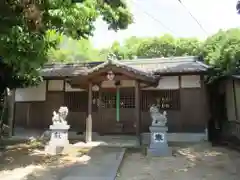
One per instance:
(170,65)
(146,67)
(120,64)
(63,70)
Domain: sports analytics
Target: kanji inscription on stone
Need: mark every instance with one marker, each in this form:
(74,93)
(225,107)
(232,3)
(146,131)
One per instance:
(57,135)
(158,137)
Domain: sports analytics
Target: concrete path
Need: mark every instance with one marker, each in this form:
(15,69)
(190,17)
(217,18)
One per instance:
(103,165)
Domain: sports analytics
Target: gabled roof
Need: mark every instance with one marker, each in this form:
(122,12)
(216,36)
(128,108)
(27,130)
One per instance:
(111,64)
(118,64)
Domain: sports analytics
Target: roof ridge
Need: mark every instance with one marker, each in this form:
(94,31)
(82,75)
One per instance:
(162,59)
(167,59)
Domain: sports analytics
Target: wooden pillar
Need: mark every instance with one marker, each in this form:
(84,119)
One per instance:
(100,106)
(89,117)
(137,110)
(118,104)
(235,100)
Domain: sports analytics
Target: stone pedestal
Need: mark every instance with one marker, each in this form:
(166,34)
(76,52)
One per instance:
(159,145)
(59,139)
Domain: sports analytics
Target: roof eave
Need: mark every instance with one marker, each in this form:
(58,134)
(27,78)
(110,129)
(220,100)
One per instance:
(181,73)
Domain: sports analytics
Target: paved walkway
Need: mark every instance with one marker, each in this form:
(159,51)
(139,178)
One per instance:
(103,165)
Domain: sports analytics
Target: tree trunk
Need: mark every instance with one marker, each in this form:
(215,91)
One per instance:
(11,100)
(3,112)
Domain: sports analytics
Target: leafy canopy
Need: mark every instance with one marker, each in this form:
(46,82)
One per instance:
(163,46)
(27,28)
(222,51)
(70,50)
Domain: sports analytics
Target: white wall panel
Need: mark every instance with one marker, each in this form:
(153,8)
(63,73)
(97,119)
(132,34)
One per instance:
(68,88)
(108,84)
(193,81)
(124,83)
(36,93)
(55,85)
(166,82)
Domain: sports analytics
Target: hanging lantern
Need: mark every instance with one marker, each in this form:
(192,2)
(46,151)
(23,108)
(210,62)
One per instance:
(110,75)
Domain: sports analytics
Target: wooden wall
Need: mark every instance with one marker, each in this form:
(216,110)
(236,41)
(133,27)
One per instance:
(191,116)
(232,89)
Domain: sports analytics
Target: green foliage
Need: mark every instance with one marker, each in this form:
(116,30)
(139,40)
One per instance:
(117,50)
(222,51)
(130,47)
(70,50)
(188,47)
(164,46)
(28,29)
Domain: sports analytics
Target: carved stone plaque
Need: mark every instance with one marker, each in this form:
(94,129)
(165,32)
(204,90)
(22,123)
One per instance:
(158,137)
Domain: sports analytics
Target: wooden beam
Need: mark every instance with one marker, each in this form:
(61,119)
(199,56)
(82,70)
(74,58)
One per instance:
(89,117)
(119,70)
(137,110)
(97,79)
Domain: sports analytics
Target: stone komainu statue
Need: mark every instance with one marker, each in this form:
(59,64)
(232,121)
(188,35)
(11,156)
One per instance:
(158,119)
(60,116)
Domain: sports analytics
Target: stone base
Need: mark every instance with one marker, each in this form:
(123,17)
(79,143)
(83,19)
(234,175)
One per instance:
(59,139)
(159,144)
(156,152)
(55,149)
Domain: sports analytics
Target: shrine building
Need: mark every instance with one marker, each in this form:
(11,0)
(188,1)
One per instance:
(114,97)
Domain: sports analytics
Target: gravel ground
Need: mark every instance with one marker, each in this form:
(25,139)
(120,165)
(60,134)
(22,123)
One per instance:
(196,162)
(28,162)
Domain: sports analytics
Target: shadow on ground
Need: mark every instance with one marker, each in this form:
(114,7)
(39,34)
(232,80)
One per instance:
(28,161)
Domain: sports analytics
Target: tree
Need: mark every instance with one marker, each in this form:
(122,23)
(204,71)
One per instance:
(27,27)
(164,46)
(70,50)
(222,51)
(130,46)
(188,47)
(117,50)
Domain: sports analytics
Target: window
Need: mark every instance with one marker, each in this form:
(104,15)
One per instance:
(165,99)
(108,99)
(78,101)
(127,98)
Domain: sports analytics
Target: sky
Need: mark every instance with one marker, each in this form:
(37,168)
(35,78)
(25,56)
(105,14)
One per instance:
(158,17)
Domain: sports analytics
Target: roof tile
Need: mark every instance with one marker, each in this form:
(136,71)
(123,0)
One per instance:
(146,67)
